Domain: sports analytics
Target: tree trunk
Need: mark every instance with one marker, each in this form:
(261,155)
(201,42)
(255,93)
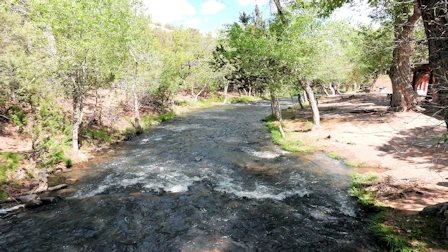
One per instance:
(325,90)
(309,91)
(404,97)
(333,93)
(138,128)
(226,88)
(275,106)
(305,97)
(434,14)
(372,86)
(77,120)
(277,112)
(136,106)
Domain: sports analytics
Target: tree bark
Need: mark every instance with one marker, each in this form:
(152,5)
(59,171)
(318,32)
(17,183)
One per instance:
(309,91)
(435,19)
(77,120)
(333,93)
(226,88)
(275,106)
(138,128)
(404,97)
(277,112)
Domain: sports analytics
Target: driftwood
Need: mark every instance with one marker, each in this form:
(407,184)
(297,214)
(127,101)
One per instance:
(43,182)
(11,209)
(58,187)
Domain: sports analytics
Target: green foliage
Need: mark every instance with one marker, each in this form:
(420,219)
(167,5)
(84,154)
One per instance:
(51,151)
(8,161)
(387,237)
(129,133)
(354,164)
(334,156)
(358,180)
(149,120)
(365,197)
(18,116)
(3,195)
(97,135)
(245,99)
(285,143)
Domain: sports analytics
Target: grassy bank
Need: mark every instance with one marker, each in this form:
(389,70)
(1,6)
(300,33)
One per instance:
(393,229)
(52,139)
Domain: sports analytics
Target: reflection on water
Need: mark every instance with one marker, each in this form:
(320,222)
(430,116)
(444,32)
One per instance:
(211,180)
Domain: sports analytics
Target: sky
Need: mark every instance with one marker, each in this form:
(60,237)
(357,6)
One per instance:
(204,15)
(210,15)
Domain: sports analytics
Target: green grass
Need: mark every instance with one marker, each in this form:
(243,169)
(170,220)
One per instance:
(245,99)
(386,237)
(334,156)
(348,163)
(286,143)
(354,164)
(3,195)
(10,161)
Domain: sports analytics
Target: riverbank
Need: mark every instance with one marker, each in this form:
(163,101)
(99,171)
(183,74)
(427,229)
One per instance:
(108,121)
(404,150)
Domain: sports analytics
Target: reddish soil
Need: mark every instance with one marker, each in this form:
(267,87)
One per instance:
(402,148)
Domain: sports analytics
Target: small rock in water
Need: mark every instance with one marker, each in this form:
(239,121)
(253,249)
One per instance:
(198,158)
(31,200)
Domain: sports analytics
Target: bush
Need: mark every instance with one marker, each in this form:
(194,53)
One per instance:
(10,161)
(18,116)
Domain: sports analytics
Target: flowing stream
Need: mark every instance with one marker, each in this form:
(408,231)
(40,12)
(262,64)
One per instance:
(208,181)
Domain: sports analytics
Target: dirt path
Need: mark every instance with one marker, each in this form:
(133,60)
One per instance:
(401,147)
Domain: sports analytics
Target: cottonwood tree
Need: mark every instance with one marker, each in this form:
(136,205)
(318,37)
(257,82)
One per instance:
(89,45)
(434,14)
(402,15)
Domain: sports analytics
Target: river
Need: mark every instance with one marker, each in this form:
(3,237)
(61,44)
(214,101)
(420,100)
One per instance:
(208,181)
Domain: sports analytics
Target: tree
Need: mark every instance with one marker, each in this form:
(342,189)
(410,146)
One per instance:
(403,15)
(89,45)
(434,14)
(404,97)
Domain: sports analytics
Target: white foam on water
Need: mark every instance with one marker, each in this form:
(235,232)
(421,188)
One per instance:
(260,154)
(228,185)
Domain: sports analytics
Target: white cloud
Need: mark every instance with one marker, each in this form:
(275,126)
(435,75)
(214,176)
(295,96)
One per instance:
(168,11)
(212,7)
(247,2)
(357,13)
(192,22)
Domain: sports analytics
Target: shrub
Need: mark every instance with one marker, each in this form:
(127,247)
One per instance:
(10,162)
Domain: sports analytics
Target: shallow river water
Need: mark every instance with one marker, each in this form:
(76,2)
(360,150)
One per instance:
(208,181)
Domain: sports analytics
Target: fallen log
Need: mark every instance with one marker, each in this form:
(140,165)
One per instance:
(58,187)
(11,209)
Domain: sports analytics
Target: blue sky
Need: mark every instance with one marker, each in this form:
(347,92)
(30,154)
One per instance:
(204,15)
(210,15)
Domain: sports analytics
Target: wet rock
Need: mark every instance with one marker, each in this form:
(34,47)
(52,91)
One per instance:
(50,200)
(31,200)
